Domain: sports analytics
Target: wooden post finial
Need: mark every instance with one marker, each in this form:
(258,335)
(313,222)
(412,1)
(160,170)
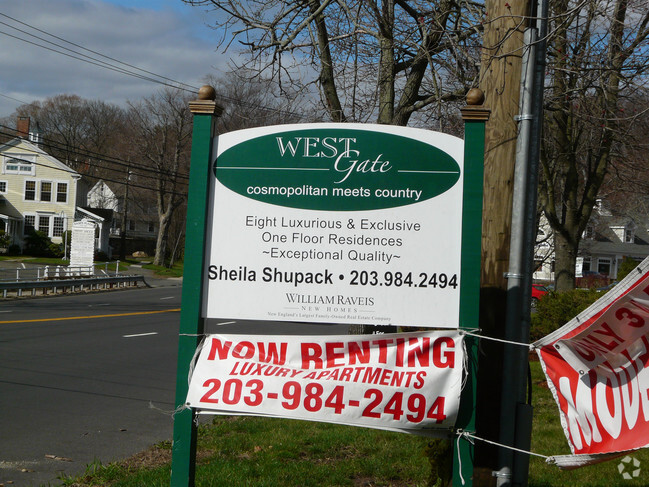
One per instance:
(205,103)
(475,96)
(207,92)
(475,110)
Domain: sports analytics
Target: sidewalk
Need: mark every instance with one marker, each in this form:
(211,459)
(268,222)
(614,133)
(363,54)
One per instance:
(153,280)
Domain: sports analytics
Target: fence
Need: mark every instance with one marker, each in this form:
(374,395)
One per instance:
(48,272)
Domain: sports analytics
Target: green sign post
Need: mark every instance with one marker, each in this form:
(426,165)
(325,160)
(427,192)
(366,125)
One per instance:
(205,112)
(475,117)
(392,185)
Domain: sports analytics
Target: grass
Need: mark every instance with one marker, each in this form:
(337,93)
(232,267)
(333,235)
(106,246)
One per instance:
(254,451)
(175,271)
(242,451)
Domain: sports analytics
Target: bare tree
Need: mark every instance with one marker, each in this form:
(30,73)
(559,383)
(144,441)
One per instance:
(84,134)
(370,60)
(253,101)
(161,134)
(598,56)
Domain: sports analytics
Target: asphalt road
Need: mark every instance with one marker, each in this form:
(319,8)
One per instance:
(93,387)
(92,377)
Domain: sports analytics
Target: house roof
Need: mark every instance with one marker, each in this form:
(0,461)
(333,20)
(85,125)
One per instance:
(606,242)
(30,146)
(105,215)
(92,213)
(614,248)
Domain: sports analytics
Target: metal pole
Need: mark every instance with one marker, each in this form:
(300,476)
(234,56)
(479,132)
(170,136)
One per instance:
(516,414)
(514,358)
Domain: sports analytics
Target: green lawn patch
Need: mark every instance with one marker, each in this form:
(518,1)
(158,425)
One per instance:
(253,451)
(175,271)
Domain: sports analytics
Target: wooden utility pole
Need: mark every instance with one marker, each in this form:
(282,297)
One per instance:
(122,237)
(500,80)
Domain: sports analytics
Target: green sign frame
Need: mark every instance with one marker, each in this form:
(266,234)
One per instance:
(192,328)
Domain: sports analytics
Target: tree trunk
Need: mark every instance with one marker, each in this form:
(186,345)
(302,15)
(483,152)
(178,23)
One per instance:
(161,242)
(386,63)
(327,77)
(565,257)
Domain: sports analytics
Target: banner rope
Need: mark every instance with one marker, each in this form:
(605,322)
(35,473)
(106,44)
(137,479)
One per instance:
(469,436)
(530,346)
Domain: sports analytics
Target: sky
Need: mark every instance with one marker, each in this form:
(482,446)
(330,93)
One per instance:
(165,37)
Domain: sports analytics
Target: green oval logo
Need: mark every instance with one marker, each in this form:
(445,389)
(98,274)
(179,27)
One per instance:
(336,169)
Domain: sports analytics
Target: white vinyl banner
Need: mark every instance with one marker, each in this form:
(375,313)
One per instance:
(336,223)
(408,382)
(597,367)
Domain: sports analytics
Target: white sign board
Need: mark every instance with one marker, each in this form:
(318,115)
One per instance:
(82,247)
(402,382)
(338,223)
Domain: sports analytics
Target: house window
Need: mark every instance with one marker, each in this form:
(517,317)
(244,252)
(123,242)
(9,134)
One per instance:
(44,225)
(61,192)
(131,225)
(19,164)
(629,236)
(57,227)
(30,224)
(46,191)
(151,227)
(30,190)
(586,265)
(3,187)
(604,266)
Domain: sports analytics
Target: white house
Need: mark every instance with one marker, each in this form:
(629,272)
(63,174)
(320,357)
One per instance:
(606,242)
(37,192)
(102,196)
(141,225)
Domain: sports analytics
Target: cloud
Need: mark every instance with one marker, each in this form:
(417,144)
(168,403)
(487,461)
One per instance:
(172,42)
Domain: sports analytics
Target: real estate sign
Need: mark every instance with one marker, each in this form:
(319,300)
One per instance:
(336,223)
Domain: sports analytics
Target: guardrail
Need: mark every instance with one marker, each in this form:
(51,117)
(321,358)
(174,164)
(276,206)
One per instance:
(77,284)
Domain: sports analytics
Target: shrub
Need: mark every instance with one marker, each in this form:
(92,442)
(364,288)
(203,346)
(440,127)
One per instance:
(55,250)
(556,309)
(14,249)
(5,239)
(37,244)
(101,256)
(626,267)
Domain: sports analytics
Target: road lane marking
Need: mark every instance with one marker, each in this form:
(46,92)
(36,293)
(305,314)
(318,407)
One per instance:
(168,297)
(137,313)
(140,335)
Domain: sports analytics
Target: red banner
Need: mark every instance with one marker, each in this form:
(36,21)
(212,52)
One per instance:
(596,367)
(407,382)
